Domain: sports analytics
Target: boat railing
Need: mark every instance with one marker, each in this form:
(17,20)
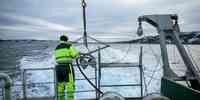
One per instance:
(23,93)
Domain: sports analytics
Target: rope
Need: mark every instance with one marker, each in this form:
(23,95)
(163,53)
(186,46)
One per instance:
(95,87)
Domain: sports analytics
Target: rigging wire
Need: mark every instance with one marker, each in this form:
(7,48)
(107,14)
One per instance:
(174,59)
(151,78)
(192,58)
(187,48)
(145,84)
(158,60)
(125,55)
(174,54)
(195,50)
(157,65)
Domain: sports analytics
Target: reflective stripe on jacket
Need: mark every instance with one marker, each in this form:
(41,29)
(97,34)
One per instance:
(65,53)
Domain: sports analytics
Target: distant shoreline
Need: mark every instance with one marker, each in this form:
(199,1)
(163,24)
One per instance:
(117,42)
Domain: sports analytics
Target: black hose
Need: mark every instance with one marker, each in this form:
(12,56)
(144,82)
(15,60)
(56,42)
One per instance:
(98,90)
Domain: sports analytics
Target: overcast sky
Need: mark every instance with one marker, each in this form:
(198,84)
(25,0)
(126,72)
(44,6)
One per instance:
(47,19)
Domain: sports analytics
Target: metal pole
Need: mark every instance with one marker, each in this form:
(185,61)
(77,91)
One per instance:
(55,84)
(7,87)
(164,53)
(141,69)
(24,84)
(167,72)
(99,70)
(96,82)
(3,93)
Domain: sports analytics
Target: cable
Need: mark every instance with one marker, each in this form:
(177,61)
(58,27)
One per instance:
(154,71)
(195,50)
(98,90)
(124,56)
(192,58)
(151,77)
(157,65)
(127,51)
(145,84)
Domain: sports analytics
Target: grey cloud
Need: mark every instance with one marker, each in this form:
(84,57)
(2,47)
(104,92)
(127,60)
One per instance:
(37,22)
(104,16)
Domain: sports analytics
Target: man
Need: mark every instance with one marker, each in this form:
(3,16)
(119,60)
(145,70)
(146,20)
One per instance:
(64,54)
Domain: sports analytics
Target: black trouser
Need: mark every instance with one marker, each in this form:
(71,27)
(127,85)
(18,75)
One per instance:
(63,71)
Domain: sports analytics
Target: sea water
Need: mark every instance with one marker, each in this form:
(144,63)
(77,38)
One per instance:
(39,54)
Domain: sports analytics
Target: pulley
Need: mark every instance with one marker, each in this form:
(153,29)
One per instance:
(140,30)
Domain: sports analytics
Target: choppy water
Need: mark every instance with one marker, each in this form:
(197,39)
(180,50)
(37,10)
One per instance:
(38,54)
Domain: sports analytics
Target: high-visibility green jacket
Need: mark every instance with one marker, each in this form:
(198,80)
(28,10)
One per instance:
(65,53)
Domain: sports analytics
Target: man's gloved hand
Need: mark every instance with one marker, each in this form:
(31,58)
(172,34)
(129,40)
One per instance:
(86,60)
